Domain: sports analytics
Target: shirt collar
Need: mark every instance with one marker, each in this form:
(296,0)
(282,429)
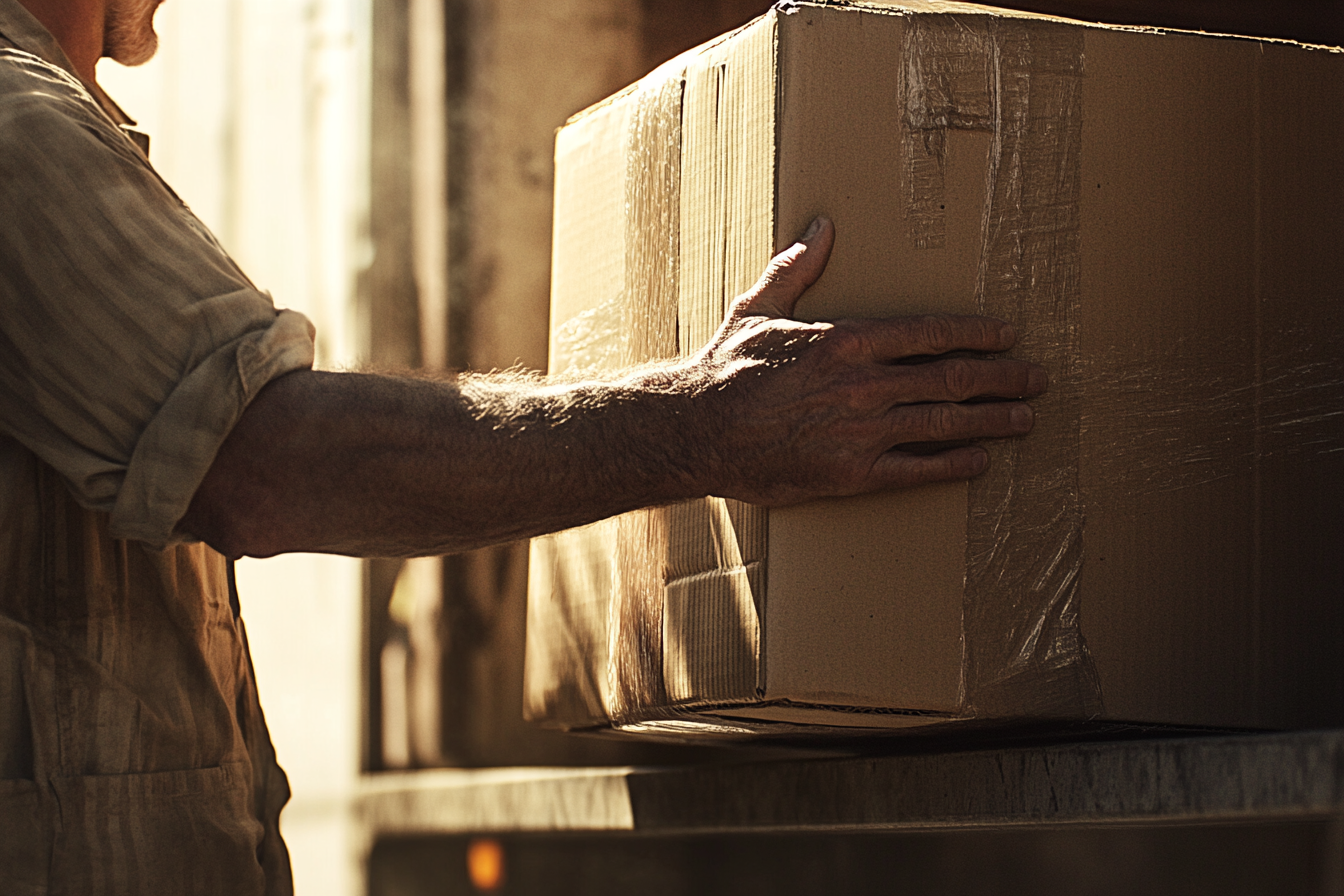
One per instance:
(18,27)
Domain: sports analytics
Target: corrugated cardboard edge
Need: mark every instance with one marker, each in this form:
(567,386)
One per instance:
(649,327)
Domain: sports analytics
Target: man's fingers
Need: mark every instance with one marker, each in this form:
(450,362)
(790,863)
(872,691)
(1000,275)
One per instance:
(790,273)
(951,422)
(898,469)
(896,338)
(963,379)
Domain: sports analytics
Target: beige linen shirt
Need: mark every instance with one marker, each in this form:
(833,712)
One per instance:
(133,754)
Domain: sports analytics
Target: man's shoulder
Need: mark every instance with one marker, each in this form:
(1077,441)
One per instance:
(42,106)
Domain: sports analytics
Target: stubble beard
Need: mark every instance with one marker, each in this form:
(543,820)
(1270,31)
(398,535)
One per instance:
(128,31)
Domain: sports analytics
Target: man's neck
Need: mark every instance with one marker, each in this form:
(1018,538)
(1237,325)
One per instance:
(77,26)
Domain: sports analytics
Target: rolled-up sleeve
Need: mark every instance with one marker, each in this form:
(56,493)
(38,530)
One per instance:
(130,344)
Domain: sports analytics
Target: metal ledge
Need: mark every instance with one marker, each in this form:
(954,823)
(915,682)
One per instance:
(1188,780)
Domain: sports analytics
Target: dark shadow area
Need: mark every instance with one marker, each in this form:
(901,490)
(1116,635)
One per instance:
(1281,858)
(1308,21)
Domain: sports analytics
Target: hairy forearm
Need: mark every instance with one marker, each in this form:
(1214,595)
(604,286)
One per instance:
(376,465)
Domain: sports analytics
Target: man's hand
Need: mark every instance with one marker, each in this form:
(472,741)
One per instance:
(772,411)
(809,410)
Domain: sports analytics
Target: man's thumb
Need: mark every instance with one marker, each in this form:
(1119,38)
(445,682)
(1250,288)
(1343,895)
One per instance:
(791,272)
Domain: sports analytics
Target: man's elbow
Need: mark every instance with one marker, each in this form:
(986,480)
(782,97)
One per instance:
(230,518)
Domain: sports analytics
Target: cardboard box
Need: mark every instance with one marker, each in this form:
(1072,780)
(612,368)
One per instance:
(1162,217)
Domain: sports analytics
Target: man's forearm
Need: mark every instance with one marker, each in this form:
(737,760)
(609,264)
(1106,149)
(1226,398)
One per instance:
(390,466)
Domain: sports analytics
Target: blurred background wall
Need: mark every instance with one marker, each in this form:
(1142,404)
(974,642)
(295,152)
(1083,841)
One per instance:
(384,166)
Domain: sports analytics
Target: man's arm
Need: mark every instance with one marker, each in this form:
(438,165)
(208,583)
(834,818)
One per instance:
(772,411)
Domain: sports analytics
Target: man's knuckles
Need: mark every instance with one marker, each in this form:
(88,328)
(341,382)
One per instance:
(900,470)
(937,334)
(850,343)
(949,422)
(938,422)
(960,379)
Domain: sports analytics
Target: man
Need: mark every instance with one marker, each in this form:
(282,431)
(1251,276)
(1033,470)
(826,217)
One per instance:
(158,416)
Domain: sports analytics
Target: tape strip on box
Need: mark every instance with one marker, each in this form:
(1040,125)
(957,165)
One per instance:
(1021,80)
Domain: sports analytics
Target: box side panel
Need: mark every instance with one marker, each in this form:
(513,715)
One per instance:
(1170,335)
(615,605)
(1301,214)
(649,322)
(716,548)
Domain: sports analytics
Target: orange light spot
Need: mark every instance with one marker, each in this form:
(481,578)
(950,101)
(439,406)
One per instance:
(485,864)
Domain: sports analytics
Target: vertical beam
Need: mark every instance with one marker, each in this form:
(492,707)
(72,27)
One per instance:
(428,133)
(388,296)
(387,303)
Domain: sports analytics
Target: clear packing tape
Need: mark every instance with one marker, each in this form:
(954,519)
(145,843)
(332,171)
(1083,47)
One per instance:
(1020,81)
(656,616)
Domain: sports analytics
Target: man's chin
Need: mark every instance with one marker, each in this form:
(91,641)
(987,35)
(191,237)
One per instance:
(131,54)
(128,31)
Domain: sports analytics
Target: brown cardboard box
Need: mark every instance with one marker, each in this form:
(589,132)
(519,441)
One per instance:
(1162,217)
